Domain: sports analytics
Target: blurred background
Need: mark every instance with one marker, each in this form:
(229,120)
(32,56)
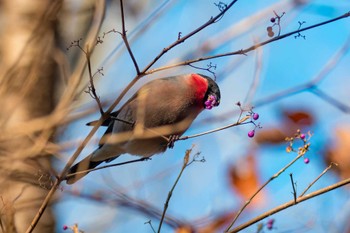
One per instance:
(298,82)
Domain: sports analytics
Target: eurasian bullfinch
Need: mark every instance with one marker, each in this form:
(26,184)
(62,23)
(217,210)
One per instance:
(144,125)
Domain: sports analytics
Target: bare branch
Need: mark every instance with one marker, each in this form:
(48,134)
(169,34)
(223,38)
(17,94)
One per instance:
(240,122)
(256,79)
(291,203)
(313,182)
(125,39)
(251,48)
(150,224)
(184,165)
(92,89)
(293,185)
(108,166)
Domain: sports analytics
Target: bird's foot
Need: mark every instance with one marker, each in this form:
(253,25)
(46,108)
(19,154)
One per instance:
(171,140)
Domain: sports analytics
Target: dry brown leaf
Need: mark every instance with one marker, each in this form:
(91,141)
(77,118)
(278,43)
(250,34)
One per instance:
(218,224)
(244,179)
(340,152)
(270,136)
(300,117)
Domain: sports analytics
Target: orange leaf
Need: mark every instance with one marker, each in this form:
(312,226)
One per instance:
(339,152)
(299,117)
(244,178)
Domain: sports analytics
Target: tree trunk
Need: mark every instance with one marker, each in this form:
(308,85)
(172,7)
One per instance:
(27,84)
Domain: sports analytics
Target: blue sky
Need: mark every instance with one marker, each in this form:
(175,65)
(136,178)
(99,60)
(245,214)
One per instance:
(204,190)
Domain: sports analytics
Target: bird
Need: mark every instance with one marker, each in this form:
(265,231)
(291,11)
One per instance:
(151,120)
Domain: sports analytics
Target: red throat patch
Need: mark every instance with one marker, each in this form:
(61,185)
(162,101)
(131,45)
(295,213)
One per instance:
(201,86)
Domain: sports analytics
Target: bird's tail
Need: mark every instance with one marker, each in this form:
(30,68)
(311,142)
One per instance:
(79,170)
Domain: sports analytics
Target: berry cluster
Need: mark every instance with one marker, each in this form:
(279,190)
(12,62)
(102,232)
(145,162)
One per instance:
(275,22)
(254,116)
(301,150)
(210,102)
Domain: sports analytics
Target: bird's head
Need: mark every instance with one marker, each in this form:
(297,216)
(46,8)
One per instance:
(212,95)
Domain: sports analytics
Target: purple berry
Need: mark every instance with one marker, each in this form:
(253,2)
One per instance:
(269,29)
(306,160)
(302,136)
(272,20)
(251,133)
(255,116)
(269,224)
(207,103)
(65,227)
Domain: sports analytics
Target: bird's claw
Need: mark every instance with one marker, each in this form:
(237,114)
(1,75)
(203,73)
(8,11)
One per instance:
(171,140)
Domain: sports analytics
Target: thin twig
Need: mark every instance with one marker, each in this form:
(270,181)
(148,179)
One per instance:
(256,79)
(240,122)
(324,96)
(312,183)
(125,39)
(107,166)
(293,185)
(92,88)
(136,32)
(121,199)
(150,223)
(184,165)
(291,203)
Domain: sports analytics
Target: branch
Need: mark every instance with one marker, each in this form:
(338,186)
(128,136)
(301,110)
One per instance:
(291,203)
(312,183)
(256,78)
(251,48)
(92,89)
(293,185)
(336,103)
(240,122)
(182,39)
(107,166)
(184,165)
(125,39)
